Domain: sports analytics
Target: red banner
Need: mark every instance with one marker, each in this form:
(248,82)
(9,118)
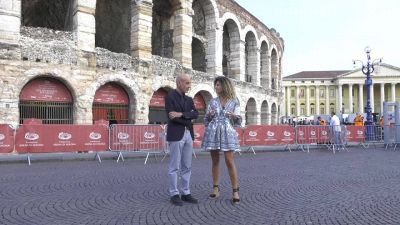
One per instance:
(355,133)
(45,89)
(310,134)
(61,138)
(6,138)
(111,93)
(268,135)
(158,98)
(137,137)
(199,102)
(198,135)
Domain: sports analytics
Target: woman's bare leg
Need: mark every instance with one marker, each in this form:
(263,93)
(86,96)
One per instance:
(230,163)
(215,170)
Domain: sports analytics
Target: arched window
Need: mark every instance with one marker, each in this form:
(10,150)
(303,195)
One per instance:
(46,99)
(111,103)
(157,113)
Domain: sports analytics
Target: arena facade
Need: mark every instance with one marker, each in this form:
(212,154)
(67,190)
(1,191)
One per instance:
(79,61)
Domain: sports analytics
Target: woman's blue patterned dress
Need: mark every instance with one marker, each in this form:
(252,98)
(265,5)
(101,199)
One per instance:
(220,133)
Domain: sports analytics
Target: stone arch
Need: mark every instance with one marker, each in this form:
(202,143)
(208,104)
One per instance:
(37,14)
(265,113)
(126,83)
(111,103)
(230,46)
(274,69)
(199,62)
(113,25)
(204,88)
(204,29)
(163,28)
(48,99)
(251,112)
(201,100)
(264,66)
(274,114)
(251,59)
(246,30)
(157,114)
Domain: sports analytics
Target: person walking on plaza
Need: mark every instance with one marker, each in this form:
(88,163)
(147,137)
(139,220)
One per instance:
(359,120)
(321,121)
(181,111)
(222,115)
(335,128)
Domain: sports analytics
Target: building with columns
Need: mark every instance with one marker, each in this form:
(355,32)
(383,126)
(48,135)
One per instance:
(321,92)
(79,61)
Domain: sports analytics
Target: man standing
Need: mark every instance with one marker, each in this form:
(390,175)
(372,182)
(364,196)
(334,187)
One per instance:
(336,129)
(181,111)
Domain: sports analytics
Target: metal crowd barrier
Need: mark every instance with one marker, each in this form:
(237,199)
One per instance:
(391,135)
(148,139)
(151,139)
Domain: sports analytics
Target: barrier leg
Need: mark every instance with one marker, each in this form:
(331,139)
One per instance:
(252,149)
(98,157)
(194,153)
(165,155)
(147,156)
(120,156)
(29,160)
(287,147)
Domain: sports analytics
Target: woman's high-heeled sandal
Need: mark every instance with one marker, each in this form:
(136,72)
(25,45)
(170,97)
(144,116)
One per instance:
(235,200)
(215,194)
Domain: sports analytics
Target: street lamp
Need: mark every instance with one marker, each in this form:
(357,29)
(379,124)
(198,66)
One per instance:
(367,69)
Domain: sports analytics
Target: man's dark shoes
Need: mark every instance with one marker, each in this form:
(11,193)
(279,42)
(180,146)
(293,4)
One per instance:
(176,200)
(189,198)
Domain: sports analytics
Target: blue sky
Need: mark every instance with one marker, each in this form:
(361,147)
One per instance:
(327,35)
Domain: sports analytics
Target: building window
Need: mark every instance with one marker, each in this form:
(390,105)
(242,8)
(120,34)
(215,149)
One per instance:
(301,93)
(293,111)
(322,81)
(322,93)
(332,92)
(302,111)
(322,110)
(292,93)
(312,111)
(332,109)
(312,93)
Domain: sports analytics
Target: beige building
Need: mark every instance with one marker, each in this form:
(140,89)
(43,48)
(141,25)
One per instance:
(78,61)
(321,92)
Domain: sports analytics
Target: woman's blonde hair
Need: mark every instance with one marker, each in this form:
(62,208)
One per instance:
(228,91)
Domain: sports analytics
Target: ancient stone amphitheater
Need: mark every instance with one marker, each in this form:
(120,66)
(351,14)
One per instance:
(78,61)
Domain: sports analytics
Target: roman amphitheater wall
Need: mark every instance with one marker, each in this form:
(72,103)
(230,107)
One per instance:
(142,48)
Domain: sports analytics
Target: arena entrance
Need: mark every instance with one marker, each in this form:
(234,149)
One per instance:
(47,100)
(111,103)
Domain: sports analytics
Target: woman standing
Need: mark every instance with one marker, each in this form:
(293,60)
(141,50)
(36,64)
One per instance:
(223,113)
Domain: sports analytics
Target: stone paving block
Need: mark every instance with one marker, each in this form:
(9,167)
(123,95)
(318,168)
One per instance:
(355,187)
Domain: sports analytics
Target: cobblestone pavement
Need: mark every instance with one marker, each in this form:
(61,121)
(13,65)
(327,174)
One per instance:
(356,187)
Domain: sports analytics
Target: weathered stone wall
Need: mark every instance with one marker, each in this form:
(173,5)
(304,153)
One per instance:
(246,18)
(46,45)
(73,58)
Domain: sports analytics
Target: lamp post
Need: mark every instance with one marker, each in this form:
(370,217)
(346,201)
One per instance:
(368,69)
